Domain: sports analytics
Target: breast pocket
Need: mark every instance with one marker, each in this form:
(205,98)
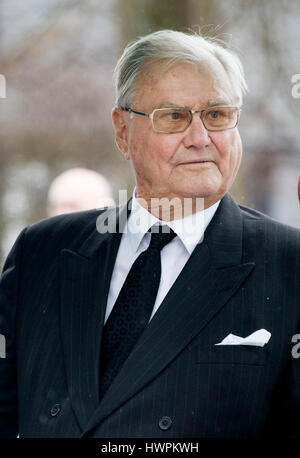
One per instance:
(231,354)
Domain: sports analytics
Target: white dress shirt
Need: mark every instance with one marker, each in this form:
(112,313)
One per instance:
(135,239)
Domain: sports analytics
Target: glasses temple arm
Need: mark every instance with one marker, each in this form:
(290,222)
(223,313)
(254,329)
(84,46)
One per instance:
(136,112)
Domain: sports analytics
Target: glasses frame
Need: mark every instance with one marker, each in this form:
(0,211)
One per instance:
(192,112)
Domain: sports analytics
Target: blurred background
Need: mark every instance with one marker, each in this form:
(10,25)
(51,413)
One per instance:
(58,56)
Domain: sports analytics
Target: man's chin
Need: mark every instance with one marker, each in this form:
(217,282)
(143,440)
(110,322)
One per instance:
(208,194)
(194,192)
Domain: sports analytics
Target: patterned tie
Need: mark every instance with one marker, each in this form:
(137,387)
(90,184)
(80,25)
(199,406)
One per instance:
(133,307)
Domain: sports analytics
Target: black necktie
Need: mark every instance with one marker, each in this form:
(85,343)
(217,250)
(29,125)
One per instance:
(132,309)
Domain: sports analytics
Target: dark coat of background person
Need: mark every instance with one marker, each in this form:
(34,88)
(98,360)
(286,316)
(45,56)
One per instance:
(244,276)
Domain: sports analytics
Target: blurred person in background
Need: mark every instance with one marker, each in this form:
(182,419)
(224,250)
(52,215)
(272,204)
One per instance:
(168,324)
(78,189)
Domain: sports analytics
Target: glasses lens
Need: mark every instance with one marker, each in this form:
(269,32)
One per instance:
(220,118)
(171,119)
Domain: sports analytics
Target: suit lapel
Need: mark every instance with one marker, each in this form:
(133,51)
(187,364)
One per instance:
(85,279)
(211,276)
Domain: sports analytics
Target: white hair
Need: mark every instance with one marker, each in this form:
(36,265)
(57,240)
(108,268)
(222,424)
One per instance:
(172,46)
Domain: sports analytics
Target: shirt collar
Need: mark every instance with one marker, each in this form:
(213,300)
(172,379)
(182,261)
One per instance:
(189,229)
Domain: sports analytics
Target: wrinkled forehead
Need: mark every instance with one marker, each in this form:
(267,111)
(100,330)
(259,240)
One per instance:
(209,68)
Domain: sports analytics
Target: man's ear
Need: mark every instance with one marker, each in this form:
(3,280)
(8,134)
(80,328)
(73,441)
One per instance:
(121,125)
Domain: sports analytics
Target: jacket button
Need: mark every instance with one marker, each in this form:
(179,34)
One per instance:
(165,423)
(55,410)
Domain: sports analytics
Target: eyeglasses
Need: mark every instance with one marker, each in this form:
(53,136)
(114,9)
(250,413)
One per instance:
(173,120)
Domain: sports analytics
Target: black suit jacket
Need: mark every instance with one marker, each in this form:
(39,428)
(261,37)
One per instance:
(244,276)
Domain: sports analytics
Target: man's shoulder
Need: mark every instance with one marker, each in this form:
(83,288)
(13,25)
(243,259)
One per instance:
(67,230)
(266,226)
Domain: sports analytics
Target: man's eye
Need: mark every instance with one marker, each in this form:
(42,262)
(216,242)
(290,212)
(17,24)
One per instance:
(174,115)
(171,115)
(214,114)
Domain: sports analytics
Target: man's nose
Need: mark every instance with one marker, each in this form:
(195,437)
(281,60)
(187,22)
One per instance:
(196,133)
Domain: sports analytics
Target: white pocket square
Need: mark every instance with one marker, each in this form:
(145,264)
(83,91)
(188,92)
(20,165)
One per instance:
(258,339)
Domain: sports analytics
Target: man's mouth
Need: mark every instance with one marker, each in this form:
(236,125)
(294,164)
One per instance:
(197,162)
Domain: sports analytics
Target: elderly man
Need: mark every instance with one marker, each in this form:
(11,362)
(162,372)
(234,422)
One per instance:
(181,322)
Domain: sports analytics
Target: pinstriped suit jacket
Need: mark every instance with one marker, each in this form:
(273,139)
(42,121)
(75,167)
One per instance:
(244,276)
